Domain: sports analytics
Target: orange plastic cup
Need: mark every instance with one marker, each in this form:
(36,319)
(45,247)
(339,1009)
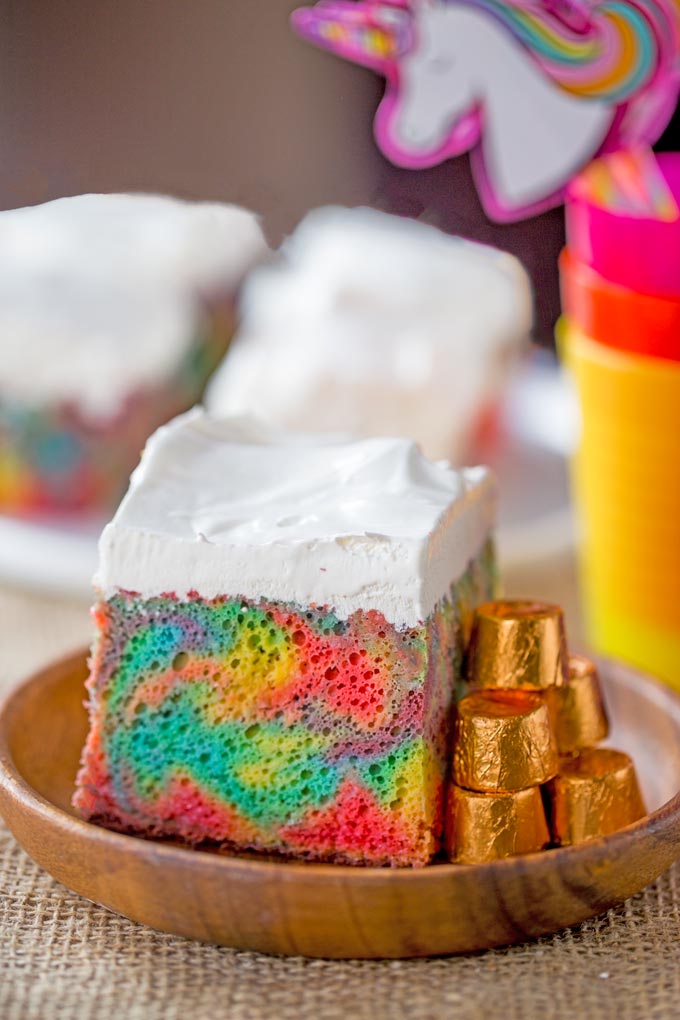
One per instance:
(626,484)
(617,316)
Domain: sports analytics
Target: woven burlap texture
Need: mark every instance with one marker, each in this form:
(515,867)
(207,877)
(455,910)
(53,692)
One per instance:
(62,958)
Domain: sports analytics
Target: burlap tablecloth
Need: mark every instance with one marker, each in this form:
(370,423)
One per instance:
(62,958)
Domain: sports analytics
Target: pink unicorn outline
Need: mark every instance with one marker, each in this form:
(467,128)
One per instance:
(454,70)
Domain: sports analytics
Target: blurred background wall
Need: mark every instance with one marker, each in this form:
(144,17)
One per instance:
(217,99)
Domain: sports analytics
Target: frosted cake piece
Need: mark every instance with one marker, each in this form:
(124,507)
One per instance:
(280,628)
(114,310)
(377,325)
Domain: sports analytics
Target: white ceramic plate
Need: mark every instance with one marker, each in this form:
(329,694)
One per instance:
(539,427)
(54,558)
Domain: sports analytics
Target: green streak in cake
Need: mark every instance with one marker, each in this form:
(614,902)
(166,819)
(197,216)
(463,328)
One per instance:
(389,776)
(267,771)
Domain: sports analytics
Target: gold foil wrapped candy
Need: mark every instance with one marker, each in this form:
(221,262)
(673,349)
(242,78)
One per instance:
(484,827)
(577,709)
(517,644)
(595,793)
(525,769)
(503,741)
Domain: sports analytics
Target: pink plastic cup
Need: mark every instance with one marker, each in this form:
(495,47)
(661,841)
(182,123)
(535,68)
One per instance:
(636,252)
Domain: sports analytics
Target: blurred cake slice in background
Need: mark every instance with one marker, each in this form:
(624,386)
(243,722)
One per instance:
(378,325)
(114,310)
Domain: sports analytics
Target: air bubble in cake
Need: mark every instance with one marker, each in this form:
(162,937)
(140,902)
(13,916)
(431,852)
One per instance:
(378,325)
(279,640)
(114,310)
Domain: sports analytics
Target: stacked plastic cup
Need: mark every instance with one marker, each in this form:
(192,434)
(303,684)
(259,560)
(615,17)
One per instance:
(620,337)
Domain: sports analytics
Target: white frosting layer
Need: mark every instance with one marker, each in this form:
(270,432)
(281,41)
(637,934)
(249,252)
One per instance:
(100,294)
(145,239)
(377,325)
(234,507)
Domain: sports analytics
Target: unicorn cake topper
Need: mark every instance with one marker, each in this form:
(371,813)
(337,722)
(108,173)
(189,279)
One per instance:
(533,89)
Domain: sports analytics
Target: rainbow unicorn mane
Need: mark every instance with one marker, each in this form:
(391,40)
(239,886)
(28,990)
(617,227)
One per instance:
(610,52)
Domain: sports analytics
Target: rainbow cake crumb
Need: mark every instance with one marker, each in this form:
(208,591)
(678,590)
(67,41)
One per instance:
(274,669)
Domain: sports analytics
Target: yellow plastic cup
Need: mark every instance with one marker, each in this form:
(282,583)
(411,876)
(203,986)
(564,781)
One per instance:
(626,487)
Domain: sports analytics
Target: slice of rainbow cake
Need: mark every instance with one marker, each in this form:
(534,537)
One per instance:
(280,629)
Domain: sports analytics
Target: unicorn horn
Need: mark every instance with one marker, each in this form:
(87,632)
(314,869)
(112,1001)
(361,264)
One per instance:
(368,33)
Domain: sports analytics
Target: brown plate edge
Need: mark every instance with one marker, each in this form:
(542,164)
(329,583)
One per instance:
(659,830)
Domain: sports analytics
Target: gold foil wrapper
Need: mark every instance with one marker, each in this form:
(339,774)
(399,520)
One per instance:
(503,741)
(484,827)
(594,794)
(577,708)
(519,645)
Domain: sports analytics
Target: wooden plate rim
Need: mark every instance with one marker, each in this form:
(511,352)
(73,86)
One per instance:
(665,821)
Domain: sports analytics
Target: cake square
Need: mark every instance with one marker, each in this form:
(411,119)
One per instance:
(378,323)
(280,628)
(114,312)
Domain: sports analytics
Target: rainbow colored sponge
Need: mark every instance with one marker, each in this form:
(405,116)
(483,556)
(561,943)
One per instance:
(279,639)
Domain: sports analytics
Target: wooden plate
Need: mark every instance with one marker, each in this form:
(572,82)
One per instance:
(331,910)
